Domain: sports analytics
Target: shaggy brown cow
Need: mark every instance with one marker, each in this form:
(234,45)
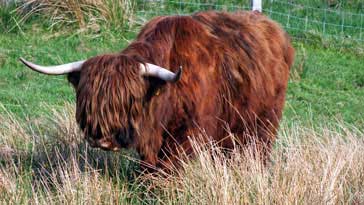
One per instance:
(235,74)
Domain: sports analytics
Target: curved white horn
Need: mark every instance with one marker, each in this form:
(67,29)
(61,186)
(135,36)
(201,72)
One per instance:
(159,72)
(54,70)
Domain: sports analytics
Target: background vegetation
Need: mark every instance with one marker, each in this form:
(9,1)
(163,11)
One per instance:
(43,159)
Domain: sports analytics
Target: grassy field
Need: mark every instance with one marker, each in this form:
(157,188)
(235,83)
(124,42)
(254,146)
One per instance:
(47,162)
(318,157)
(325,83)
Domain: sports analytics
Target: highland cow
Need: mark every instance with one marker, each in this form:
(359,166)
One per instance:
(234,79)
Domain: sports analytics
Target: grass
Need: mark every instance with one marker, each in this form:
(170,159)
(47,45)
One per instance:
(329,86)
(82,14)
(23,90)
(329,82)
(47,161)
(318,157)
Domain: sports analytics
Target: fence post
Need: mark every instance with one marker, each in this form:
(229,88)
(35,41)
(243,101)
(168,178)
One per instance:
(256,5)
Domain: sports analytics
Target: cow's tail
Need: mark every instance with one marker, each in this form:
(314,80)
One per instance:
(290,53)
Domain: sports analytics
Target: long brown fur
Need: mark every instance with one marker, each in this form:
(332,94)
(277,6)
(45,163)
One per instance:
(236,68)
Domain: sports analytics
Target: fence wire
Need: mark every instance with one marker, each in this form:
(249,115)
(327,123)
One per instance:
(300,20)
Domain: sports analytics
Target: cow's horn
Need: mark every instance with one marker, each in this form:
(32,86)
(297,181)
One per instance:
(54,70)
(159,72)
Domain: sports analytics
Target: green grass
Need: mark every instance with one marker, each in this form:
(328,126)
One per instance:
(330,82)
(22,91)
(330,86)
(327,84)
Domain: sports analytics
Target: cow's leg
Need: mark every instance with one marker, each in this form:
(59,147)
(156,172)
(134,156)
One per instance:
(176,150)
(148,149)
(173,153)
(267,128)
(257,135)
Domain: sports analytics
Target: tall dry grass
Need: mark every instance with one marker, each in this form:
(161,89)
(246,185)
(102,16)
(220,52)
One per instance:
(307,167)
(86,14)
(47,162)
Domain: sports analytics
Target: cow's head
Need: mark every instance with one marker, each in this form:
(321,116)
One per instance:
(111,92)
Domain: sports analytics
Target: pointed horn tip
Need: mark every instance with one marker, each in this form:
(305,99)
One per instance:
(28,64)
(178,74)
(25,62)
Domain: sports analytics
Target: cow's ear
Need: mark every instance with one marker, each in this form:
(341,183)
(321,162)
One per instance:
(155,87)
(74,78)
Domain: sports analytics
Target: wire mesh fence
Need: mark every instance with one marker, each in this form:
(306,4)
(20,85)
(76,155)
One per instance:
(309,20)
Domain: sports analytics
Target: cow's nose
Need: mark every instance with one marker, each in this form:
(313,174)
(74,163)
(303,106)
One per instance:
(108,144)
(104,143)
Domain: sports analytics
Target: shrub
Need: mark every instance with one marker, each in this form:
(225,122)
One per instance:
(85,14)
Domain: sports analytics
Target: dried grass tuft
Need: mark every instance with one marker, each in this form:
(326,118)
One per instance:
(86,14)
